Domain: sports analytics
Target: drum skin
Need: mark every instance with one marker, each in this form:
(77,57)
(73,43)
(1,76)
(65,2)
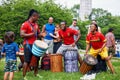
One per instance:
(71,60)
(56,64)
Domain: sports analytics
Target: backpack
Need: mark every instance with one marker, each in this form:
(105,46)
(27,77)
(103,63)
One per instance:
(45,62)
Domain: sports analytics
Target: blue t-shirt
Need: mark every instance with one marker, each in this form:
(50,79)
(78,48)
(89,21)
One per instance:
(10,50)
(49,28)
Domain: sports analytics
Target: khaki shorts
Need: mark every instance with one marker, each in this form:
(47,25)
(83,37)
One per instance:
(111,50)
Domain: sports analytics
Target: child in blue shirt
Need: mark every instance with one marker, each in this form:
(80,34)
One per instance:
(10,49)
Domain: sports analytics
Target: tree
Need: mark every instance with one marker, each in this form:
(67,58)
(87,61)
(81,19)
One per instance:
(75,10)
(15,12)
(105,20)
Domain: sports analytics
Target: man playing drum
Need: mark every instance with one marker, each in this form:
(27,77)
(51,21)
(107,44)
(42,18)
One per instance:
(30,31)
(67,35)
(97,44)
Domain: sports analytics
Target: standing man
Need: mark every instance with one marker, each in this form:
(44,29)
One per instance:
(49,29)
(110,42)
(75,27)
(96,42)
(30,31)
(67,35)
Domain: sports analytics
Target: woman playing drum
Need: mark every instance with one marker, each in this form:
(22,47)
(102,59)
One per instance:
(97,44)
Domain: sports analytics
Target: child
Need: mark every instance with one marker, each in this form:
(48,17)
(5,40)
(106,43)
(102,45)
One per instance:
(10,49)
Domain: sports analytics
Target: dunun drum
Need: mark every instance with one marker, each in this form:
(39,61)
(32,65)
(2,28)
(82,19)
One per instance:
(70,60)
(56,63)
(39,48)
(21,56)
(88,63)
(34,61)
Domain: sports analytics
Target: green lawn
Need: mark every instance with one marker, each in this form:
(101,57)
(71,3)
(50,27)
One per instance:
(48,75)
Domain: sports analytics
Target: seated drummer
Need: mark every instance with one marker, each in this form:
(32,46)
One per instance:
(67,36)
(97,44)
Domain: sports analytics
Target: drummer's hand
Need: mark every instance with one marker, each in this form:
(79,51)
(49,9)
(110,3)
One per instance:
(85,54)
(73,45)
(99,51)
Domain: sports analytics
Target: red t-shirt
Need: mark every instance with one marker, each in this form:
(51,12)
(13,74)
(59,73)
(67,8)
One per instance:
(68,35)
(96,41)
(27,28)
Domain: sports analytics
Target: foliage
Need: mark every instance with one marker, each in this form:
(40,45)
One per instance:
(75,10)
(83,30)
(105,20)
(15,12)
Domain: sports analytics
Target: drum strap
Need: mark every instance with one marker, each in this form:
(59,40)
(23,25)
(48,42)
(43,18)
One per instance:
(27,44)
(36,33)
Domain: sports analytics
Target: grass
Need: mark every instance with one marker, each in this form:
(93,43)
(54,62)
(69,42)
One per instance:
(48,75)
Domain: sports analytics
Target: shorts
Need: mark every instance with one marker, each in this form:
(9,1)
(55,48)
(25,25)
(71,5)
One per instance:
(64,47)
(56,46)
(10,66)
(103,54)
(111,50)
(28,54)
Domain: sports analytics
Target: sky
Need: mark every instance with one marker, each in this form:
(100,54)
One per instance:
(110,5)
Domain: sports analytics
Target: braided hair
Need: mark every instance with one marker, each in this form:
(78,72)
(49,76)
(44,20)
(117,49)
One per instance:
(31,12)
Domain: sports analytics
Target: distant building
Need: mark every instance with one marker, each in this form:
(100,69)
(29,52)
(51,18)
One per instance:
(85,9)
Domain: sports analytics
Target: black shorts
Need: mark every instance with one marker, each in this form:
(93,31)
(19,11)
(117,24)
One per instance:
(28,54)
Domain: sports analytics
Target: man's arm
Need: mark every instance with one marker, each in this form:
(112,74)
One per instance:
(102,47)
(43,32)
(78,36)
(24,35)
(103,39)
(113,42)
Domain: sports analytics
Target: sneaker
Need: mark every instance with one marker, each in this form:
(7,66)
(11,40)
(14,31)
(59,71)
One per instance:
(25,78)
(39,76)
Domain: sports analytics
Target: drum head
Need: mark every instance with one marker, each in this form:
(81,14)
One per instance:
(41,44)
(21,53)
(90,60)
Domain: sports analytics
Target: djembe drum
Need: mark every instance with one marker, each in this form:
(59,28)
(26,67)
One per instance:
(70,60)
(39,48)
(56,63)
(88,63)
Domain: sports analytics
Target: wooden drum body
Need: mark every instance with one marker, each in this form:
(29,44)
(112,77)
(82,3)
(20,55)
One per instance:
(21,56)
(88,63)
(34,61)
(70,60)
(56,63)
